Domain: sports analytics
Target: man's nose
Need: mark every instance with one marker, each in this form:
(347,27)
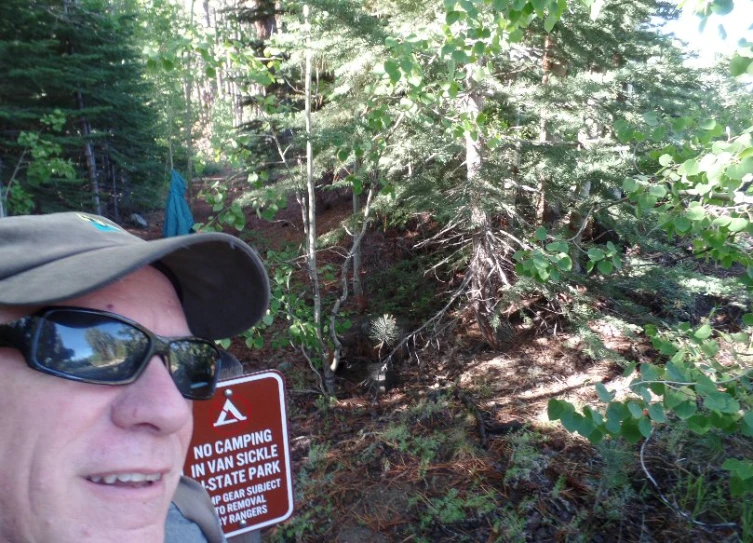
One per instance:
(152,402)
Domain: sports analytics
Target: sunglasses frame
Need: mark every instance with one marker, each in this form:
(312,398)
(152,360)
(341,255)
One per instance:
(22,334)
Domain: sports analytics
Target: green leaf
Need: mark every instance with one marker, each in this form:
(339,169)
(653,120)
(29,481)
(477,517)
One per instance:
(651,118)
(689,167)
(658,190)
(724,421)
(550,22)
(695,213)
(617,411)
(453,17)
(672,398)
(656,412)
(647,201)
(557,247)
(722,7)
(393,70)
(741,169)
(596,254)
(460,56)
(630,431)
(703,332)
(629,369)
(594,415)
(682,224)
(710,348)
(629,185)
(708,124)
(659,134)
(635,409)
(740,487)
(748,319)
(686,410)
(565,263)
(556,408)
(571,420)
(675,371)
(748,420)
(604,267)
(603,394)
(267,319)
(645,427)
(666,160)
(741,469)
(540,233)
(738,224)
(649,372)
(739,65)
(700,424)
(722,402)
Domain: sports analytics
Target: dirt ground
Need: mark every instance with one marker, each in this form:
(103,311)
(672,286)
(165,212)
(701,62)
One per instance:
(461,447)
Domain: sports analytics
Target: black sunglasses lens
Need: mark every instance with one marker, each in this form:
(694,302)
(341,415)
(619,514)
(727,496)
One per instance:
(194,366)
(89,346)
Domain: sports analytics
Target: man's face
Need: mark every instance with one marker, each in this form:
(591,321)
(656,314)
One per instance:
(62,443)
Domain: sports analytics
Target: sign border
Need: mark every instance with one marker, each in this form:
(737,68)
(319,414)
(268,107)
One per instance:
(277,376)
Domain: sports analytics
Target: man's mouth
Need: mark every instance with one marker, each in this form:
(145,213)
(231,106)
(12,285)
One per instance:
(134,480)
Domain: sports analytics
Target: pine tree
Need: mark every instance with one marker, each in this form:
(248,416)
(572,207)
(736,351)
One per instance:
(79,59)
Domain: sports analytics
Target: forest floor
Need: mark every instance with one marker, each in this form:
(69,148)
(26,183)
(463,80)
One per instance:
(460,448)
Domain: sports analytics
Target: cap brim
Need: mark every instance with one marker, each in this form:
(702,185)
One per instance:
(223,282)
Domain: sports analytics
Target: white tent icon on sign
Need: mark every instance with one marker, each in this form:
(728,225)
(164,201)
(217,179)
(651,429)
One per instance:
(229,415)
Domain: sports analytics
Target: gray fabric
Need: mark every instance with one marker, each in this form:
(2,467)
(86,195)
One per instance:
(179,529)
(194,504)
(51,258)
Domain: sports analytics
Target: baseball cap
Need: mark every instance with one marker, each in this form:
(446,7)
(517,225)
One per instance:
(46,259)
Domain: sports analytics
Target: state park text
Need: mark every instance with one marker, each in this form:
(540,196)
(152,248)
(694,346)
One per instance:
(217,464)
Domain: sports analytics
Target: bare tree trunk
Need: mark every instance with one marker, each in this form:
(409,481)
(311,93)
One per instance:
(264,26)
(91,165)
(482,293)
(189,119)
(329,376)
(357,287)
(115,198)
(543,129)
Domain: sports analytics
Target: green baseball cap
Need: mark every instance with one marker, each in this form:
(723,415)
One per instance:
(45,259)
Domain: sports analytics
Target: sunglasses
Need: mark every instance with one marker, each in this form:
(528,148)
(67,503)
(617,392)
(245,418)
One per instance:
(98,347)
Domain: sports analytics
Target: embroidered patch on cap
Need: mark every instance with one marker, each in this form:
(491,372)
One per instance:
(99,224)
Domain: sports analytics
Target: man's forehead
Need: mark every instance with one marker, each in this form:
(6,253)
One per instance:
(107,297)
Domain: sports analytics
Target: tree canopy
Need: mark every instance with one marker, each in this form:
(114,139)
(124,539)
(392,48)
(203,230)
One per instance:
(545,149)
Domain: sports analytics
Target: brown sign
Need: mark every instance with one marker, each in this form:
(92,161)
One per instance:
(240,453)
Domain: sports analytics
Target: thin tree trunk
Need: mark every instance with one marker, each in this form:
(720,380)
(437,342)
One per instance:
(357,287)
(482,293)
(543,129)
(189,119)
(115,198)
(329,376)
(91,165)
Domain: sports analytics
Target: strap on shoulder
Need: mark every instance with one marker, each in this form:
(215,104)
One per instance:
(194,503)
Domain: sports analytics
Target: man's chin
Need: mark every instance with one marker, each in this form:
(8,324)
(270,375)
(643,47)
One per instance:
(124,512)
